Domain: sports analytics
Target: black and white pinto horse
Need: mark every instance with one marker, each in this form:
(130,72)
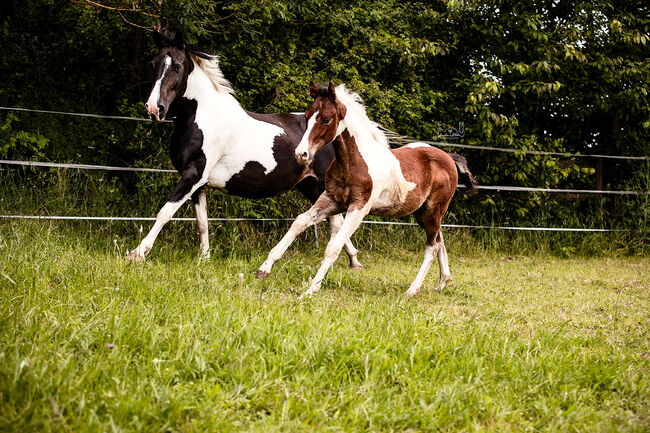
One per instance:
(217,143)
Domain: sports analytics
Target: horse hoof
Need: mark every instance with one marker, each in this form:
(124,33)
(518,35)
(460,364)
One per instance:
(133,256)
(311,291)
(412,292)
(356,266)
(262,274)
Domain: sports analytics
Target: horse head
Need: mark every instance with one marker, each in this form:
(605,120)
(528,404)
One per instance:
(171,67)
(324,122)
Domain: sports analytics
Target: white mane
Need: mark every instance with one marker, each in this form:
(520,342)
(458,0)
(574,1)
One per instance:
(211,68)
(356,118)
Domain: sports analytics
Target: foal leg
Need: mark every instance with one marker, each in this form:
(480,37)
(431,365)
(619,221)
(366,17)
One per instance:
(201,208)
(429,220)
(430,252)
(323,208)
(352,252)
(350,224)
(443,261)
(189,183)
(309,187)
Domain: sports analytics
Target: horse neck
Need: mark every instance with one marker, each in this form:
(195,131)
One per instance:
(200,88)
(364,138)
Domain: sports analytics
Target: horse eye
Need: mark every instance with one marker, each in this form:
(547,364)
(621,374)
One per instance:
(177,66)
(325,120)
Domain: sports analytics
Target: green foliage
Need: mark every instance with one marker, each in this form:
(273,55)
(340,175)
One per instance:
(20,144)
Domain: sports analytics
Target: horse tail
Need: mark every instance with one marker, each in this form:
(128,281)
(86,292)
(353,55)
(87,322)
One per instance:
(464,175)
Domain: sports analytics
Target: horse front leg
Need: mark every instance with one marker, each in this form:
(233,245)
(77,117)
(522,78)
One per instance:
(189,183)
(351,223)
(201,209)
(352,252)
(323,208)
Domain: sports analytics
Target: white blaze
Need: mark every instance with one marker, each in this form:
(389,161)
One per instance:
(152,102)
(303,146)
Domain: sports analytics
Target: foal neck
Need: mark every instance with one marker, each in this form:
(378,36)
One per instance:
(348,155)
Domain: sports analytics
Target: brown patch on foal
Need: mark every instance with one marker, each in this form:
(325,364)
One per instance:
(431,170)
(347,180)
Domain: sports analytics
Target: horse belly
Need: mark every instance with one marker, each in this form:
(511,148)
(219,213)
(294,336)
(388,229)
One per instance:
(401,200)
(252,180)
(396,210)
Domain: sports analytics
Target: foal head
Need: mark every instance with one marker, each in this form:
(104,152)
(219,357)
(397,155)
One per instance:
(171,67)
(324,122)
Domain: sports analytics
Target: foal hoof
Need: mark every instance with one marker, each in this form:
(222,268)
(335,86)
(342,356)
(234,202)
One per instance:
(204,257)
(138,254)
(412,292)
(262,274)
(134,257)
(356,266)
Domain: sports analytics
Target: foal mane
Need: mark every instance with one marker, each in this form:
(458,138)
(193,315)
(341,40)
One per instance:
(209,63)
(357,119)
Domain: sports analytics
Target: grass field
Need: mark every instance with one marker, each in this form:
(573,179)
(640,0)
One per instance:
(519,341)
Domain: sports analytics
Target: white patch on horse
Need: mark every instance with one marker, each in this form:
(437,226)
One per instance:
(231,138)
(416,145)
(152,102)
(303,146)
(388,183)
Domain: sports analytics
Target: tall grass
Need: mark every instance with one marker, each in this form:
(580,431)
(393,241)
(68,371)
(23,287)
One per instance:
(83,193)
(538,331)
(514,343)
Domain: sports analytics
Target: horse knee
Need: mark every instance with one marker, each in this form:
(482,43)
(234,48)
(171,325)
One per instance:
(203,227)
(333,250)
(303,221)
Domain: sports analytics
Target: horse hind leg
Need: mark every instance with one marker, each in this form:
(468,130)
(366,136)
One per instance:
(430,222)
(443,261)
(430,252)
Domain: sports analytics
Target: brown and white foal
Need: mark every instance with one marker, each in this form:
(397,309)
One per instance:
(367,177)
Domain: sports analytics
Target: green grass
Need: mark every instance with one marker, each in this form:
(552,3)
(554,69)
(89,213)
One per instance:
(517,342)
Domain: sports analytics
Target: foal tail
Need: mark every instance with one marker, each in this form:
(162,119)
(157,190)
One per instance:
(464,175)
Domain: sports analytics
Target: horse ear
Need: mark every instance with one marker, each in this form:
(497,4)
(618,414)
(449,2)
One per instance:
(331,92)
(313,90)
(159,39)
(179,40)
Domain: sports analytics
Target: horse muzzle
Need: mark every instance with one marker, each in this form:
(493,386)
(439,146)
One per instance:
(155,112)
(303,158)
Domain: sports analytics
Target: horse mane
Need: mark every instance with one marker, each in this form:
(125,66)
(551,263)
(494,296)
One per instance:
(360,120)
(209,64)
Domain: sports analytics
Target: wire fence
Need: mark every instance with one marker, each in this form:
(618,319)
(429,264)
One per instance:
(158,170)
(434,143)
(393,223)
(404,139)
